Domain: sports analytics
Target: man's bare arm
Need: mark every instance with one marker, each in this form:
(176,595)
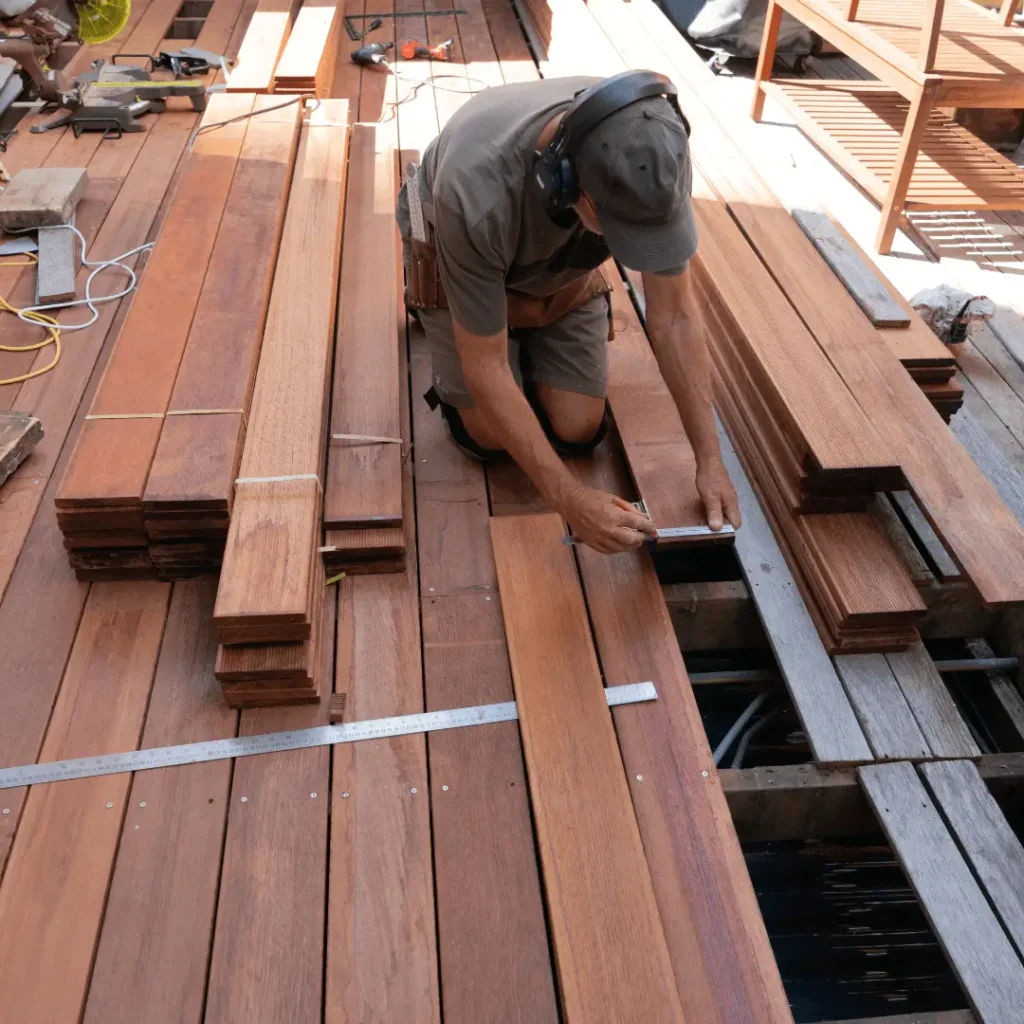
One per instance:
(680,345)
(604,521)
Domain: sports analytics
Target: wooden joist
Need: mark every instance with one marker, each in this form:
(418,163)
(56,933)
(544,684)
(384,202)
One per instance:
(981,955)
(610,949)
(267,586)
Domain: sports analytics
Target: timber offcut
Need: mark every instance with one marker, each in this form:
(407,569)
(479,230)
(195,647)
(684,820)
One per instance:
(227,514)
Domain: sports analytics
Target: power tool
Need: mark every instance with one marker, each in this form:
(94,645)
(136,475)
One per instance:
(411,49)
(373,53)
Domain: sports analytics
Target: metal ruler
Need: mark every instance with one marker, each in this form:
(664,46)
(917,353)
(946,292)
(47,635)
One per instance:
(295,739)
(671,532)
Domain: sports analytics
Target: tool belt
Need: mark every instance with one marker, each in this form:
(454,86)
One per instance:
(424,290)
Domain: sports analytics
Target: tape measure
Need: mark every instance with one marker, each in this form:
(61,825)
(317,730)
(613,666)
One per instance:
(294,739)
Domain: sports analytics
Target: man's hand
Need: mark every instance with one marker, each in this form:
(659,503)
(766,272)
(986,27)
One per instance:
(717,493)
(605,522)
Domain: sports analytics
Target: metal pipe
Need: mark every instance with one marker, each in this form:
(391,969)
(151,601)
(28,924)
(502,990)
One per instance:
(767,675)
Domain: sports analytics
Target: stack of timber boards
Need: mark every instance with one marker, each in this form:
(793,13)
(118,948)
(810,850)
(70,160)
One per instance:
(307,64)
(744,230)
(363,513)
(261,47)
(147,488)
(271,586)
(859,593)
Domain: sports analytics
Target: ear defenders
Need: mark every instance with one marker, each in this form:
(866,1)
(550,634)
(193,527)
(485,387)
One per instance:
(553,165)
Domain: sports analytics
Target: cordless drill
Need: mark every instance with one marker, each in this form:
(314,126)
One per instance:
(412,48)
(372,53)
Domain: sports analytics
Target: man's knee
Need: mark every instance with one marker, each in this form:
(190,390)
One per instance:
(574,418)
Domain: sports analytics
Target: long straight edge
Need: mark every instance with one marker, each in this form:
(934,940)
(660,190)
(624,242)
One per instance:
(295,739)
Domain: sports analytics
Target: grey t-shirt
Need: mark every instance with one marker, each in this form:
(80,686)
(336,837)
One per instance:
(491,228)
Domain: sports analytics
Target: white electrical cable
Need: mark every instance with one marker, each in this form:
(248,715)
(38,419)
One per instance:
(90,300)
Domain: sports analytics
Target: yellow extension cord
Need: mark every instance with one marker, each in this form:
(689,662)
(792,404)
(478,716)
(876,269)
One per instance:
(48,323)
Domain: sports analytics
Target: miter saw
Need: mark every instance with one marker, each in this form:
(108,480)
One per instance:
(39,37)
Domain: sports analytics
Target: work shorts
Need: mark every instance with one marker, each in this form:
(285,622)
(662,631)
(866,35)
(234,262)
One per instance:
(570,354)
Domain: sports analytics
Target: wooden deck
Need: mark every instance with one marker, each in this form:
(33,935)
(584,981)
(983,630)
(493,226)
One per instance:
(397,881)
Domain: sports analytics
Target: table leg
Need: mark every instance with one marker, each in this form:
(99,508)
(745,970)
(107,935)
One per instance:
(851,9)
(1006,12)
(766,58)
(903,169)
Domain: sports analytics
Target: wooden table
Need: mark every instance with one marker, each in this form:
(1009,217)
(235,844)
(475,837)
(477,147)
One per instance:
(927,55)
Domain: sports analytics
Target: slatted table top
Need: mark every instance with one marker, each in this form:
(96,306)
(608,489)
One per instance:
(971,40)
(860,124)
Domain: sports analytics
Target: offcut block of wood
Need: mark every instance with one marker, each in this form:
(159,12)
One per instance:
(42,197)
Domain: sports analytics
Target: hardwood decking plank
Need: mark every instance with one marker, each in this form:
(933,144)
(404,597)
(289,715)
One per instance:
(981,828)
(55,886)
(268,944)
(364,479)
(381,935)
(112,456)
(610,950)
(197,456)
(307,54)
(832,728)
(164,886)
(977,947)
(264,40)
(725,970)
(933,707)
(485,861)
(287,418)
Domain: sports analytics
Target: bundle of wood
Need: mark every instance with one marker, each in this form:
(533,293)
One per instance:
(268,604)
(307,63)
(363,503)
(148,488)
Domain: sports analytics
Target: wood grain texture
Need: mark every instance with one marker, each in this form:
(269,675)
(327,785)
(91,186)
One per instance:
(382,951)
(724,967)
(309,47)
(197,457)
(818,695)
(657,449)
(364,480)
(164,886)
(974,942)
(485,860)
(932,704)
(610,949)
(990,845)
(112,457)
(261,47)
(881,708)
(55,886)
(268,944)
(287,419)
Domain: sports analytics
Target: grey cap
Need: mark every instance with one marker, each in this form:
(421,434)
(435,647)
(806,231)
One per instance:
(634,167)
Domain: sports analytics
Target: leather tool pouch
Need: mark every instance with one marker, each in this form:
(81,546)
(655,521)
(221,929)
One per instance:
(424,290)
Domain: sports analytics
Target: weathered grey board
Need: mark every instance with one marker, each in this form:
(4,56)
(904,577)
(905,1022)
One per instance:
(978,949)
(940,1017)
(986,838)
(944,565)
(58,265)
(1007,701)
(833,732)
(19,434)
(881,708)
(932,706)
(40,196)
(859,277)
